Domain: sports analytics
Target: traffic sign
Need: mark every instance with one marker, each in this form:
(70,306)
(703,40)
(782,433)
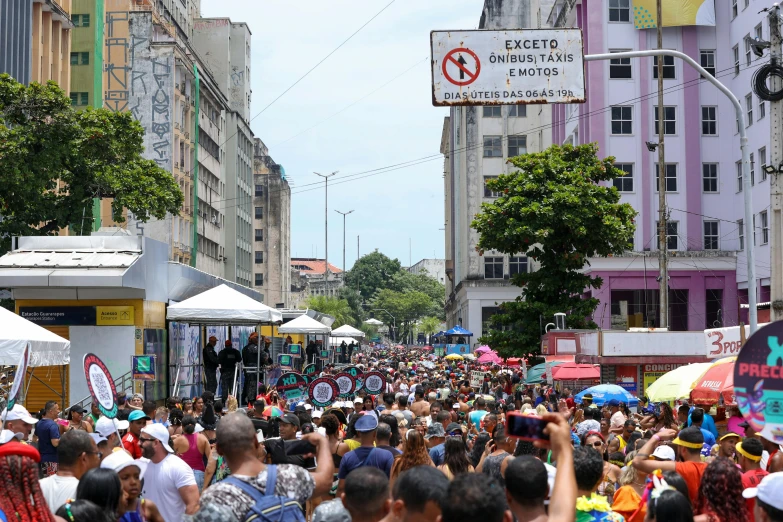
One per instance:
(507,67)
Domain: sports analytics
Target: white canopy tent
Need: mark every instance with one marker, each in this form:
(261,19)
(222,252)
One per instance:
(304,324)
(46,348)
(347,330)
(224,306)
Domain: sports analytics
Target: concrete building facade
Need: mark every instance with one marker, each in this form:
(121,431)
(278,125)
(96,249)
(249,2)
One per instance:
(435,268)
(272,274)
(708,277)
(476,143)
(312,278)
(35,41)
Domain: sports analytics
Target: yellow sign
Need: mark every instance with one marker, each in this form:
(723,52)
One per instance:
(114,316)
(676,13)
(649,378)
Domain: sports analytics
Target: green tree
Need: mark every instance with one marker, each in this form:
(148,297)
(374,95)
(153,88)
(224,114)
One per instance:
(406,307)
(555,209)
(370,273)
(404,281)
(336,307)
(429,325)
(54,160)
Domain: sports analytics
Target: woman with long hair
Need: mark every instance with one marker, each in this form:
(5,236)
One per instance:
(331,424)
(83,511)
(628,497)
(478,448)
(720,494)
(102,487)
(175,422)
(396,439)
(669,506)
(414,454)
(193,448)
(595,440)
(198,406)
(368,406)
(21,498)
(455,460)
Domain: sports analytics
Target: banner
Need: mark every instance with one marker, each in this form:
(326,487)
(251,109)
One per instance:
(374,382)
(476,379)
(285,361)
(346,383)
(323,392)
(292,386)
(295,350)
(21,371)
(143,367)
(675,13)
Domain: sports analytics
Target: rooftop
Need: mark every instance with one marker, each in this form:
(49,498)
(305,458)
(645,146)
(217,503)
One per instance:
(310,265)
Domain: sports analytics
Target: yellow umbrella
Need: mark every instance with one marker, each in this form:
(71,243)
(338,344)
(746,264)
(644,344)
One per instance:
(454,357)
(676,384)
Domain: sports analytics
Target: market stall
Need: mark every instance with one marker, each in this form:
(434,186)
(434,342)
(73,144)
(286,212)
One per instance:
(304,324)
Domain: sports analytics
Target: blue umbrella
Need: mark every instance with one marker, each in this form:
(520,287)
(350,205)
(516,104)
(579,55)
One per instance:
(604,393)
(458,330)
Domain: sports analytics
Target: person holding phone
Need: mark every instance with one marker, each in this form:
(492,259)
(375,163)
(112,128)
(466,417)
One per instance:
(496,455)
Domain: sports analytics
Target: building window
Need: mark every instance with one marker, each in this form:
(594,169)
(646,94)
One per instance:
(80,98)
(752,170)
(622,119)
(749,109)
(668,67)
(259,212)
(259,234)
(81,20)
(709,176)
(487,192)
(517,265)
(754,229)
(492,147)
(707,57)
(493,267)
(762,109)
(763,161)
(517,111)
(669,119)
(671,177)
(624,183)
(492,111)
(711,236)
(259,257)
(733,9)
(758,32)
(517,145)
(259,279)
(709,121)
(672,242)
(741,228)
(739,176)
(735,50)
(764,227)
(80,58)
(259,190)
(620,68)
(748,55)
(619,10)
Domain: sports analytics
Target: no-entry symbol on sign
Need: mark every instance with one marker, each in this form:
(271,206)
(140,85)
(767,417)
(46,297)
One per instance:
(461,66)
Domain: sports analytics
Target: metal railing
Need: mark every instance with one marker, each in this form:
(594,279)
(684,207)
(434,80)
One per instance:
(123,384)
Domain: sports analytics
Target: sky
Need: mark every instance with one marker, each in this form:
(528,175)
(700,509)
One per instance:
(382,75)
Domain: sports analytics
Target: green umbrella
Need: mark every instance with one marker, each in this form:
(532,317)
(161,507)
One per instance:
(535,375)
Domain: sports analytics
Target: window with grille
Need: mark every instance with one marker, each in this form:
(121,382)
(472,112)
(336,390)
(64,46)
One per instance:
(624,183)
(711,236)
(764,227)
(672,238)
(735,50)
(620,68)
(669,71)
(259,257)
(671,177)
(259,212)
(741,229)
(517,111)
(517,265)
(733,9)
(259,280)
(488,193)
(749,109)
(748,52)
(709,176)
(709,121)
(517,145)
(622,119)
(707,59)
(493,267)
(492,111)
(619,10)
(259,234)
(669,119)
(259,190)
(763,161)
(739,176)
(493,147)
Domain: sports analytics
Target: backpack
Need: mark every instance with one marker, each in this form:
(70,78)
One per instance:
(268,507)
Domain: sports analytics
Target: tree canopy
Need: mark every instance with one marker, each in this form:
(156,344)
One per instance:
(334,306)
(556,209)
(372,272)
(55,160)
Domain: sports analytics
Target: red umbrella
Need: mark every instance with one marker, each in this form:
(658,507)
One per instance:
(514,361)
(576,372)
(717,381)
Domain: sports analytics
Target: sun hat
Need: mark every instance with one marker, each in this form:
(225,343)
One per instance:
(435,430)
(366,423)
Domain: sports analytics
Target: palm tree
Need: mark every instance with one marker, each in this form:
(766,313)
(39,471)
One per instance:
(337,308)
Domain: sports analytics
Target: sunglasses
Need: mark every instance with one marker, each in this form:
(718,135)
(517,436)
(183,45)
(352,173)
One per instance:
(142,440)
(596,444)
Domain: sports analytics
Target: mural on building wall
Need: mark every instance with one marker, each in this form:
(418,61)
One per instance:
(116,68)
(185,354)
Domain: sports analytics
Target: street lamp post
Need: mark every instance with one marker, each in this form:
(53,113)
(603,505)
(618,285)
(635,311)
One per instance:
(343,214)
(326,227)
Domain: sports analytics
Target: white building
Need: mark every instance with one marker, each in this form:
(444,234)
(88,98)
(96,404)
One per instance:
(435,268)
(476,143)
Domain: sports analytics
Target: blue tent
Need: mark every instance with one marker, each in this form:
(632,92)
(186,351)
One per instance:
(439,334)
(458,330)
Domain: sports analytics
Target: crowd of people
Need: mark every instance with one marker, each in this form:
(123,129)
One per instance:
(429,448)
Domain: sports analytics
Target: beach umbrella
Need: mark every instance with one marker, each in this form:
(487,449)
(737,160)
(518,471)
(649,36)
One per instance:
(717,382)
(482,349)
(604,393)
(676,384)
(454,357)
(535,375)
(272,411)
(490,357)
(576,372)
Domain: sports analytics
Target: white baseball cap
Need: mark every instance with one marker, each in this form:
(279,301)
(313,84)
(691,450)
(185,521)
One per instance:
(106,426)
(18,412)
(316,414)
(769,491)
(308,406)
(119,460)
(358,400)
(160,432)
(664,453)
(8,436)
(98,438)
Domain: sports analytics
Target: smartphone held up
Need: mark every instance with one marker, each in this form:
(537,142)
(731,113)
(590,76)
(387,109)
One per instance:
(525,427)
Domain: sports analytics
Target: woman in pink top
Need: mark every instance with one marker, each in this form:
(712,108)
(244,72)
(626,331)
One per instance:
(733,424)
(193,448)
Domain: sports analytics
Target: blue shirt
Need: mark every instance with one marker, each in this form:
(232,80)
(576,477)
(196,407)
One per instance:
(708,424)
(438,454)
(476,416)
(709,438)
(46,430)
(380,458)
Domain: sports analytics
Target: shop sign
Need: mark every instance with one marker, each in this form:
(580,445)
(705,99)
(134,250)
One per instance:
(59,315)
(114,316)
(724,342)
(626,378)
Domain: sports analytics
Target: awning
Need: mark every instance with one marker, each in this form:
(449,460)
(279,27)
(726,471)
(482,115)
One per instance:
(222,305)
(46,348)
(347,330)
(560,358)
(304,324)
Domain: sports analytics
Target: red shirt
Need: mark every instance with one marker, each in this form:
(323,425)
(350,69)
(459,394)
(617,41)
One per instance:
(691,472)
(131,443)
(751,479)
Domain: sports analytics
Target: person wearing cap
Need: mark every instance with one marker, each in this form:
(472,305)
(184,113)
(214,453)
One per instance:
(436,438)
(768,498)
(366,454)
(665,453)
(18,420)
(136,421)
(688,445)
(131,473)
(288,424)
(77,453)
(211,362)
(108,428)
(168,481)
(76,420)
(727,444)
(617,420)
(229,357)
(21,498)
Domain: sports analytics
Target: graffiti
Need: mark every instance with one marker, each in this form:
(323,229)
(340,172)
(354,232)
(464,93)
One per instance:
(238,78)
(211,24)
(116,68)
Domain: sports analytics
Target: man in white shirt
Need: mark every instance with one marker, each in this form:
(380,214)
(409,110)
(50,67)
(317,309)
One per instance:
(617,421)
(76,454)
(168,481)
